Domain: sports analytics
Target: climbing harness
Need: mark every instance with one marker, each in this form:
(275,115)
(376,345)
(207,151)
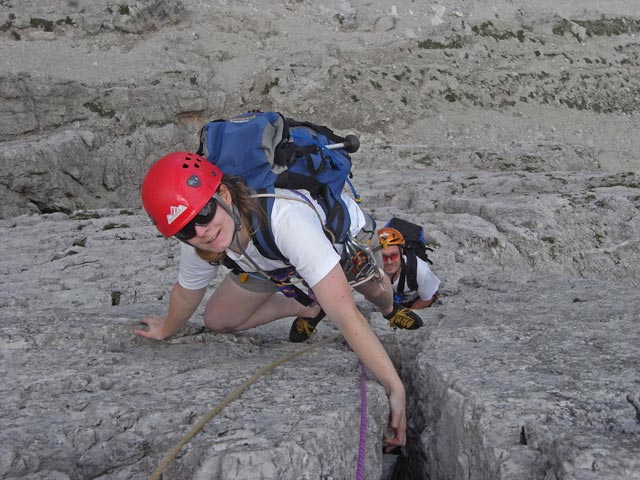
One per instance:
(235,394)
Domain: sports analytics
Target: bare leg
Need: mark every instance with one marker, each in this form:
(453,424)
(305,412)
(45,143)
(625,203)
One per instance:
(379,292)
(232,308)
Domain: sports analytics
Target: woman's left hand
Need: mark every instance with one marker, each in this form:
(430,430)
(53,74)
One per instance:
(154,330)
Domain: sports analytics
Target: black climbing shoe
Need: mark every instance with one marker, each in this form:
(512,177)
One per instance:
(302,328)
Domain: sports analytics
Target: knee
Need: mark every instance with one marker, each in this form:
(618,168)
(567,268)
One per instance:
(376,289)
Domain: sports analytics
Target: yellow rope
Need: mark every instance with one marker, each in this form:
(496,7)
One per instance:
(173,453)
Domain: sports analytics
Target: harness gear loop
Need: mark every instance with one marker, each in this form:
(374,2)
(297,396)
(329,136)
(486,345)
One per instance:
(360,262)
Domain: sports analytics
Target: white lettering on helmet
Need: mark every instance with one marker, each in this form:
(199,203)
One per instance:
(175,212)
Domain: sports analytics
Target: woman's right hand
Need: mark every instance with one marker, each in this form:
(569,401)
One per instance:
(155,328)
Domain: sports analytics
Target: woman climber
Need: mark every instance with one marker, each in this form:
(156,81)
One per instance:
(215,217)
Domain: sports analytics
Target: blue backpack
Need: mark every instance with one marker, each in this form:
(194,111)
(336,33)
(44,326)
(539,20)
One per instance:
(268,150)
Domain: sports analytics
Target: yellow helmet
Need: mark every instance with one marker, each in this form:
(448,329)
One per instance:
(390,236)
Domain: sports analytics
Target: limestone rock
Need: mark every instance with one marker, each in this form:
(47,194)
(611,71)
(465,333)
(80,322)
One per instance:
(507,129)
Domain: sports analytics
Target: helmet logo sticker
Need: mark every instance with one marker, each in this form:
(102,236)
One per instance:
(193,181)
(175,212)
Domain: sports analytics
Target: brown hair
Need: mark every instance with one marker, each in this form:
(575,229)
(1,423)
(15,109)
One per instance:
(248,208)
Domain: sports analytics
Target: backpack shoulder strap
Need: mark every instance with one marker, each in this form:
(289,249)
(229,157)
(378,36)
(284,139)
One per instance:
(231,265)
(263,235)
(403,276)
(411,270)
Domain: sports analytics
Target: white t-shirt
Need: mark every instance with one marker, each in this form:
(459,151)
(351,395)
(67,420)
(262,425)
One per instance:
(298,234)
(428,283)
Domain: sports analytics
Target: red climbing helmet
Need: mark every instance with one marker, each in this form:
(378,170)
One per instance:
(176,188)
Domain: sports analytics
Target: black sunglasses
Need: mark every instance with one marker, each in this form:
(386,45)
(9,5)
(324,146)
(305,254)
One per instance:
(203,217)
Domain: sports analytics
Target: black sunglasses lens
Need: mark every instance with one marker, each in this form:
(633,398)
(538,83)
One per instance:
(187,233)
(202,218)
(206,214)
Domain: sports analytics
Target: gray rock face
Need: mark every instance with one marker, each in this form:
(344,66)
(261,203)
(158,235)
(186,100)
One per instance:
(508,129)
(85,398)
(539,387)
(140,79)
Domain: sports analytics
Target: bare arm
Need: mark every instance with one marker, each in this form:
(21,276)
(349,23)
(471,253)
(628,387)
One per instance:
(335,297)
(182,303)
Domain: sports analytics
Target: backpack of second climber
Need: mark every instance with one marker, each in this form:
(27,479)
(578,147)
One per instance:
(415,247)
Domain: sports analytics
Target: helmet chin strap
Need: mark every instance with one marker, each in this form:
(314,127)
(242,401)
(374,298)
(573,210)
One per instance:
(235,215)
(232,211)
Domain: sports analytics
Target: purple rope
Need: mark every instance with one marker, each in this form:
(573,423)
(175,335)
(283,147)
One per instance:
(362,446)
